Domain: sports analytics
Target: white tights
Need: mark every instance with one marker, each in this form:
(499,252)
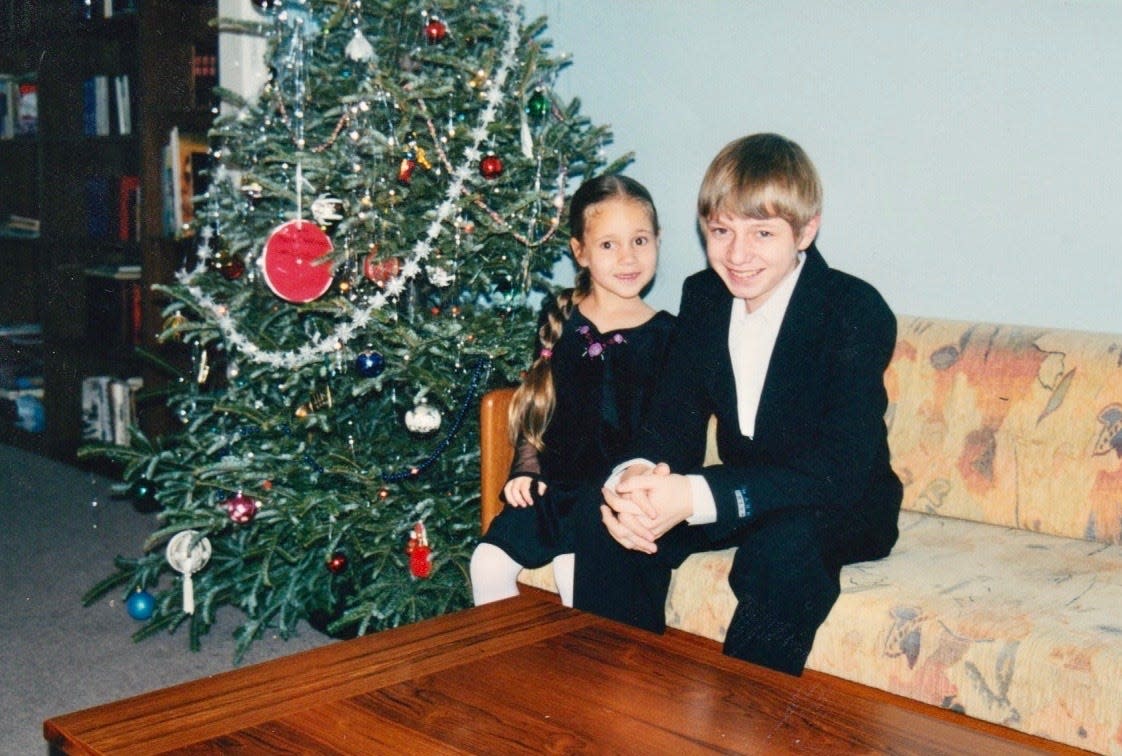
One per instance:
(494,575)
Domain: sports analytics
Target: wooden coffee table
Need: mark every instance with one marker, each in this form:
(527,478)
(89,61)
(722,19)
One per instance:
(524,675)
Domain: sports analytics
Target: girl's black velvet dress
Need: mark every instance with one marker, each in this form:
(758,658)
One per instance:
(603,384)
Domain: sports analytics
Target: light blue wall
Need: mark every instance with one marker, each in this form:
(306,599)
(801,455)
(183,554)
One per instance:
(971,150)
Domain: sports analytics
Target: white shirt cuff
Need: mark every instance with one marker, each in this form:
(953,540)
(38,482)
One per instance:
(704,505)
(618,470)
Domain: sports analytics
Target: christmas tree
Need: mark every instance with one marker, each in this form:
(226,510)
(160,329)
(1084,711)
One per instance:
(380,225)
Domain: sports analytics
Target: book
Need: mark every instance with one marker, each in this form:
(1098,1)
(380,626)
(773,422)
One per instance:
(171,189)
(128,208)
(101,104)
(109,408)
(23,407)
(124,105)
(22,226)
(120,405)
(114,305)
(27,108)
(97,417)
(187,176)
(9,94)
(204,74)
(21,356)
(89,107)
(99,215)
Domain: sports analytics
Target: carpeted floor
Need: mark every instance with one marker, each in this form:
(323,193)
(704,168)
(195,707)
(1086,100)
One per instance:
(56,655)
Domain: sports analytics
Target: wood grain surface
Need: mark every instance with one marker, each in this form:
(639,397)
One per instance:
(524,675)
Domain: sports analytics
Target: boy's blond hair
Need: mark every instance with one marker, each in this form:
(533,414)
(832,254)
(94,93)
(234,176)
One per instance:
(761,176)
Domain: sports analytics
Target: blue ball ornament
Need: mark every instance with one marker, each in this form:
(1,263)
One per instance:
(141,605)
(370,364)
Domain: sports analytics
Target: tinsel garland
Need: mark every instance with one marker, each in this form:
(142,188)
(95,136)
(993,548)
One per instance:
(345,331)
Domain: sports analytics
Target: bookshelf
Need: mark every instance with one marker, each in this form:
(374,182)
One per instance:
(112,78)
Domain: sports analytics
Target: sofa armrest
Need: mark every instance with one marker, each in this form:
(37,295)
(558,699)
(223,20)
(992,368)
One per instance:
(495,452)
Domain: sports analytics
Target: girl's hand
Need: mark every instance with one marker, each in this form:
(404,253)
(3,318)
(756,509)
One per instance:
(518,491)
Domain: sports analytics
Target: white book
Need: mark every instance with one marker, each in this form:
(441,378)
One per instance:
(120,403)
(176,171)
(101,104)
(97,417)
(124,108)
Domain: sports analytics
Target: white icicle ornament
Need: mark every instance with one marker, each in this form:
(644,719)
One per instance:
(187,554)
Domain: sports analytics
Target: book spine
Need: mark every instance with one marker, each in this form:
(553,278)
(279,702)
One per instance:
(120,402)
(97,417)
(124,106)
(9,93)
(27,109)
(89,107)
(98,223)
(128,199)
(101,109)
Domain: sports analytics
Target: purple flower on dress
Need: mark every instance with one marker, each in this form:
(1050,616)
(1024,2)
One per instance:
(596,348)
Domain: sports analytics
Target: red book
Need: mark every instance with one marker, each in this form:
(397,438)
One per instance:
(127,201)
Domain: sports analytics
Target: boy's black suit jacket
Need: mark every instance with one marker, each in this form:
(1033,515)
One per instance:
(820,440)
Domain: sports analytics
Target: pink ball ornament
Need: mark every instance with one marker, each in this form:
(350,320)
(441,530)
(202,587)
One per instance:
(241,508)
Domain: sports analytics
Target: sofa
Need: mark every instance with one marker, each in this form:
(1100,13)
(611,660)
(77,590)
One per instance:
(1003,596)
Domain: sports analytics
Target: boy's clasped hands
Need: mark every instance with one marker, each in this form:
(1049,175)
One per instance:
(645,504)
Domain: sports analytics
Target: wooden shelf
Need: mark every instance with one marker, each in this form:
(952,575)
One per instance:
(48,176)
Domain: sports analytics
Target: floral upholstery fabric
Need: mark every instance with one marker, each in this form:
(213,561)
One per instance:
(1006,606)
(1011,426)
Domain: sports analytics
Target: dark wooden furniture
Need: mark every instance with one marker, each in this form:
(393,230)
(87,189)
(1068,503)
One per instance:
(525,675)
(71,180)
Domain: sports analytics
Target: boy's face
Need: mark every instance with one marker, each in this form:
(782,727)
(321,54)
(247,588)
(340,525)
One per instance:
(753,256)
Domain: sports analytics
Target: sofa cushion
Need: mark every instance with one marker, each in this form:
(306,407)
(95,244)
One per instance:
(1009,425)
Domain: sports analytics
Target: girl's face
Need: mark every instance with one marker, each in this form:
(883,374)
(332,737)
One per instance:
(619,247)
(753,256)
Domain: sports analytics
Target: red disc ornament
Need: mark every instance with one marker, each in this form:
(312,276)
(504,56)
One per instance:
(491,167)
(295,261)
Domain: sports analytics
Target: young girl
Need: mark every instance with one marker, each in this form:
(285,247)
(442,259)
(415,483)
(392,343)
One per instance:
(600,347)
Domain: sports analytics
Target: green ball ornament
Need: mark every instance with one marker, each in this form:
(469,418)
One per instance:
(538,105)
(143,494)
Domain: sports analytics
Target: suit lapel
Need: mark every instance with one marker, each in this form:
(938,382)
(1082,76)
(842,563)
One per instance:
(796,350)
(720,382)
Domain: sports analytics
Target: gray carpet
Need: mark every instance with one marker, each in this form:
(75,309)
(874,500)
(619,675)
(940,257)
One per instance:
(56,655)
